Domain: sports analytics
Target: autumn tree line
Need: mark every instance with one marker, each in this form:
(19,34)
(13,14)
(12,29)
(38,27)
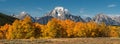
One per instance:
(55,28)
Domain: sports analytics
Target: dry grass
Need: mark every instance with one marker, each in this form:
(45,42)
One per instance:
(64,41)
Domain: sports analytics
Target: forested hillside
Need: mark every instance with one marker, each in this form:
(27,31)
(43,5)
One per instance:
(5,19)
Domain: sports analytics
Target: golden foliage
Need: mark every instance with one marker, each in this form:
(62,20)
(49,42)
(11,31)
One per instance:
(55,28)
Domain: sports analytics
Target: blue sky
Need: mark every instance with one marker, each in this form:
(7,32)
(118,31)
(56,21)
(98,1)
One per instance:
(75,7)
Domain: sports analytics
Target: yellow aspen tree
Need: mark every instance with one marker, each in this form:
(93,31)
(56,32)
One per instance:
(69,27)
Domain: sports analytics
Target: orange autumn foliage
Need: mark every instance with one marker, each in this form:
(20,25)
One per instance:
(55,28)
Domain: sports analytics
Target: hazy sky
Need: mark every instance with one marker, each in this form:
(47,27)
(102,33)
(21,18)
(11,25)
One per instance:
(75,7)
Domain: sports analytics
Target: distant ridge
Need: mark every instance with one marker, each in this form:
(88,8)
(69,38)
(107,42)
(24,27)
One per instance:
(5,19)
(22,15)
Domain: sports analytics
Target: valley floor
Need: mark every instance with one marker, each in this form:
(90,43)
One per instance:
(64,41)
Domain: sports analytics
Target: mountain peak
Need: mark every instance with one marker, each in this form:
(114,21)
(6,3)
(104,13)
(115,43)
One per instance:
(59,8)
(101,15)
(106,19)
(62,13)
(23,13)
(58,12)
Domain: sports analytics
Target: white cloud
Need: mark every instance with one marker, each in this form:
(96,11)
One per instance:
(112,5)
(40,9)
(82,10)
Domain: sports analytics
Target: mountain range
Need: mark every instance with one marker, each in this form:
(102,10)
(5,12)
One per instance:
(63,14)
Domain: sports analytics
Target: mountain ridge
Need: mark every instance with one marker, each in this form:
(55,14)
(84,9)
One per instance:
(63,14)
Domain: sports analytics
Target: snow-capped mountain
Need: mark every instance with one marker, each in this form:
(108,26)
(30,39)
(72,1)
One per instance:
(106,19)
(58,12)
(62,13)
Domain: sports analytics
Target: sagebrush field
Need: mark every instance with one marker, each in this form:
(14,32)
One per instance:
(63,41)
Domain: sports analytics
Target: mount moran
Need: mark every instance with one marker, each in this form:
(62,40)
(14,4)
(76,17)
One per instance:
(63,14)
